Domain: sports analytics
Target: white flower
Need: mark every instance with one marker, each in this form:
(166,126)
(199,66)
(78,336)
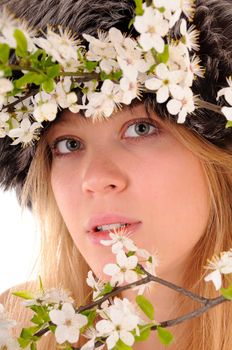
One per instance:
(25,133)
(119,324)
(129,55)
(64,97)
(5,87)
(97,286)
(119,241)
(226,92)
(172,10)
(165,83)
(195,66)
(45,107)
(91,334)
(49,296)
(8,25)
(130,90)
(105,102)
(123,270)
(4,126)
(222,266)
(61,47)
(22,109)
(178,57)
(7,342)
(152,26)
(68,323)
(190,36)
(101,50)
(151,262)
(5,322)
(181,104)
(227,111)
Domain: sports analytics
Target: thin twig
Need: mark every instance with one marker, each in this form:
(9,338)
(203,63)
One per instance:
(149,278)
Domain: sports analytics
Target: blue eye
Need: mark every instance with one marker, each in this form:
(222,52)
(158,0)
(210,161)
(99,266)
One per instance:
(66,146)
(141,128)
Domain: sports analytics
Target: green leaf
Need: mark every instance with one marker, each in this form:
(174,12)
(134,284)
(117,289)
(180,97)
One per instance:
(36,58)
(164,56)
(37,320)
(117,75)
(91,314)
(138,270)
(23,342)
(164,335)
(91,65)
(227,292)
(33,346)
(21,48)
(145,306)
(41,285)
(139,7)
(24,294)
(4,53)
(28,333)
(104,76)
(145,332)
(41,312)
(53,71)
(121,346)
(107,289)
(48,85)
(229,124)
(30,78)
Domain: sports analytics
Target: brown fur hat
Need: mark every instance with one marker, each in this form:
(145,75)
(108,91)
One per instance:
(214,21)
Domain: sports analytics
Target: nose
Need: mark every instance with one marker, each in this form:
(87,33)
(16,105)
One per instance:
(104,173)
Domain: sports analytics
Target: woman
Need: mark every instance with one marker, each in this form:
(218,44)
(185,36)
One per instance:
(175,182)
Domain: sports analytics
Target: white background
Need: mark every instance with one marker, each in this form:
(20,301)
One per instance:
(19,242)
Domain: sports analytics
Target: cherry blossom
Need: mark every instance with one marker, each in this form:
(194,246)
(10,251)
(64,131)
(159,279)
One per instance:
(190,36)
(45,107)
(165,83)
(68,323)
(123,271)
(181,104)
(25,133)
(119,240)
(97,286)
(62,47)
(49,296)
(222,265)
(153,27)
(119,323)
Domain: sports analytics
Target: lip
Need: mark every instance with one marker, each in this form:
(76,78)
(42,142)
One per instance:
(96,237)
(106,219)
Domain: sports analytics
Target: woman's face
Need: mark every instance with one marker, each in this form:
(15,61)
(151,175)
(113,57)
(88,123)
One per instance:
(130,166)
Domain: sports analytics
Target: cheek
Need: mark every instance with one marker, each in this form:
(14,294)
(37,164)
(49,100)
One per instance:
(176,193)
(64,190)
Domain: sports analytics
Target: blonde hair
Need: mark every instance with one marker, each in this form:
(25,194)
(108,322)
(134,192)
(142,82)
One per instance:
(63,265)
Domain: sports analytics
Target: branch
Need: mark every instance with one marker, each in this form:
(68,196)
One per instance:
(149,278)
(207,105)
(170,323)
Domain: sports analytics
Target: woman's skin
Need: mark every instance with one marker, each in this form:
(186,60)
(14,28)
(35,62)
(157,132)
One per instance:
(156,181)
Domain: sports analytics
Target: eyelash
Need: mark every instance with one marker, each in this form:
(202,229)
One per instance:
(56,153)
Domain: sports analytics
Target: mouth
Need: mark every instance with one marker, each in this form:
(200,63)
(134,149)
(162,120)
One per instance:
(111,227)
(99,233)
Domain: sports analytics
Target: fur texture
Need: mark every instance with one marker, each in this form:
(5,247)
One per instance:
(214,21)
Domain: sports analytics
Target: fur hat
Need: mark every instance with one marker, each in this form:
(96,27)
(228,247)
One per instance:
(213,19)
